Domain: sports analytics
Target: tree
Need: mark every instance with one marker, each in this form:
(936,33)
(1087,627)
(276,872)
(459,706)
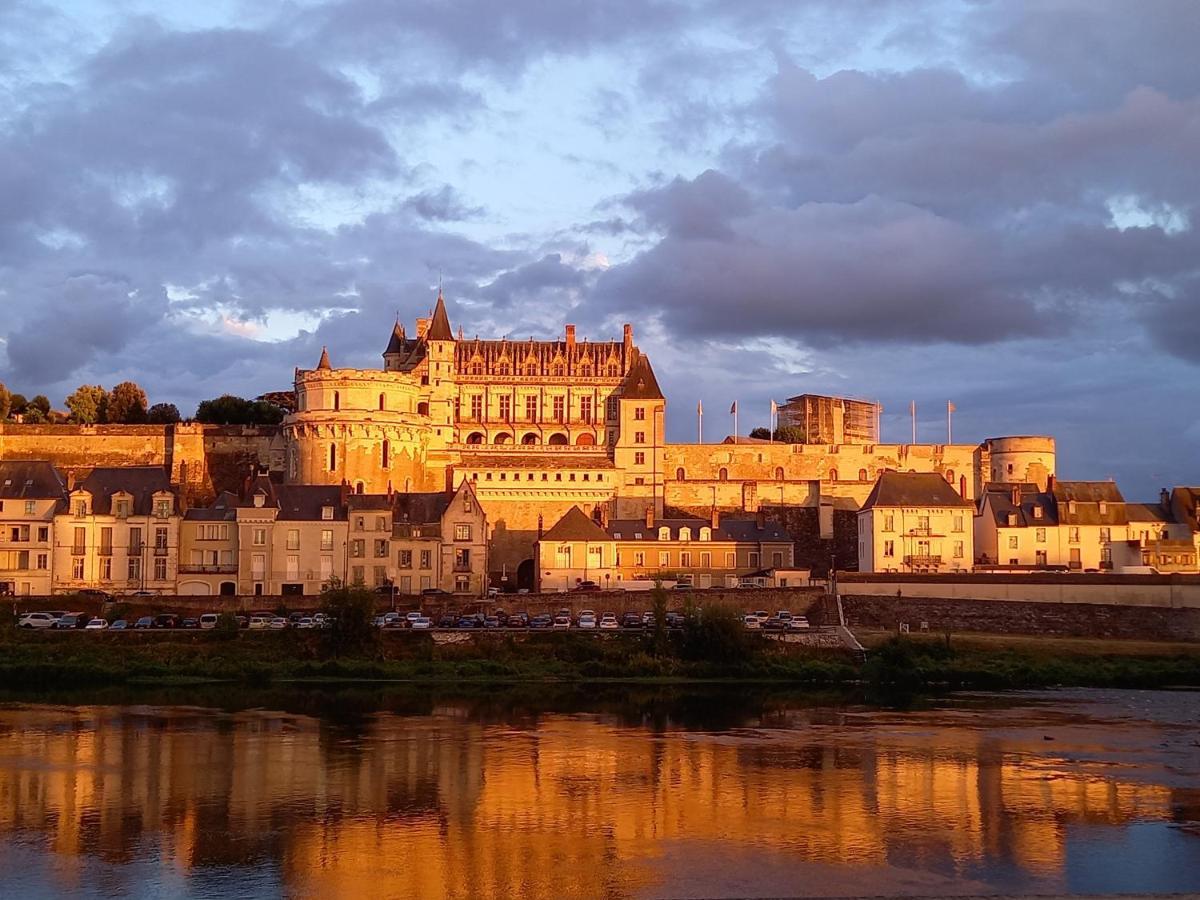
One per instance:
(17,405)
(88,404)
(33,415)
(163,414)
(127,404)
(40,402)
(760,433)
(263,412)
(285,400)
(5,402)
(789,434)
(659,598)
(230,410)
(351,612)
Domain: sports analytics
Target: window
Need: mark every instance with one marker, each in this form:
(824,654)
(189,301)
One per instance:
(639,437)
(680,475)
(327,512)
(477,406)
(333,457)
(862,474)
(664,533)
(1040,557)
(43,534)
(889,522)
(958,524)
(462,584)
(685,558)
(80,508)
(531,408)
(135,540)
(1014,542)
(664,559)
(462,532)
(356,548)
(1105,535)
(639,458)
(1039,535)
(1073,534)
(753,560)
(259,537)
(160,568)
(386,454)
(426,559)
(326,539)
(106,568)
(777,559)
(639,558)
(585,409)
(505,407)
(77,569)
(381,549)
(356,575)
(639,413)
(1037,512)
(685,533)
(30,507)
(135,568)
(106,542)
(889,548)
(293,539)
(559,406)
(705,559)
(462,559)
(639,481)
(404,559)
(162,508)
(160,540)
(779,473)
(43,561)
(723,475)
(1103,507)
(730,559)
(833,474)
(705,533)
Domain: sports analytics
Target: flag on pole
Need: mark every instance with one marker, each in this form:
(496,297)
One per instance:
(699,407)
(733,409)
(950,407)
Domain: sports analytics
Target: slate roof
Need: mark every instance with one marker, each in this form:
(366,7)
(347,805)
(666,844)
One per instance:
(298,502)
(998,499)
(323,362)
(913,489)
(223,509)
(357,502)
(398,343)
(34,479)
(1148,512)
(1087,496)
(142,482)
(636,530)
(576,525)
(640,383)
(747,531)
(421,508)
(439,328)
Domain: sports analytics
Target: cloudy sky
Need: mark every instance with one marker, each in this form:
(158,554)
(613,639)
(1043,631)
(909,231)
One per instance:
(992,202)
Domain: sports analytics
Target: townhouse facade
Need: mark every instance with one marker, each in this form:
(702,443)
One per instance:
(915,522)
(31,495)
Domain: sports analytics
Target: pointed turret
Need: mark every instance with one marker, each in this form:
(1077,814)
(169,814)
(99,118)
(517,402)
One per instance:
(396,344)
(324,361)
(439,327)
(640,383)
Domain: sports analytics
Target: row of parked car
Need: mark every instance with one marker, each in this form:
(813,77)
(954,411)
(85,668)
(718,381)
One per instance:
(62,620)
(761,620)
(563,620)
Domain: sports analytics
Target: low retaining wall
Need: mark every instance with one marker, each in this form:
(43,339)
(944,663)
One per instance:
(1103,620)
(1166,591)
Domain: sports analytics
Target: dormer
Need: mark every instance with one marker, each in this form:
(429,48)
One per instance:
(705,533)
(163,504)
(259,499)
(685,533)
(664,533)
(327,512)
(1037,512)
(81,504)
(122,504)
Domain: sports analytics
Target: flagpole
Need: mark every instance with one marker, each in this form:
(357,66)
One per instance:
(771,424)
(912,407)
(949,426)
(735,425)
(700,422)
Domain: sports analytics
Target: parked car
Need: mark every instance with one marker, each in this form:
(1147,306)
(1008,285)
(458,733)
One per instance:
(189,623)
(447,621)
(491,622)
(209,620)
(751,622)
(166,620)
(541,621)
(798,623)
(608,622)
(278,623)
(144,622)
(421,623)
(648,619)
(94,594)
(73,620)
(37,620)
(493,592)
(587,620)
(96,625)
(784,615)
(434,592)
(631,620)
(772,623)
(585,587)
(118,625)
(517,620)
(138,593)
(305,622)
(259,623)
(675,620)
(320,619)
(413,616)
(468,622)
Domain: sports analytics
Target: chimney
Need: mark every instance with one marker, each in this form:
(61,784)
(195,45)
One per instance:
(344,493)
(602,515)
(649,517)
(70,480)
(715,519)
(628,337)
(1016,496)
(540,526)
(1164,498)
(422,327)
(570,336)
(259,499)
(1049,484)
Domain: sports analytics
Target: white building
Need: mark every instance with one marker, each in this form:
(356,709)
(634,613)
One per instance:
(30,495)
(915,522)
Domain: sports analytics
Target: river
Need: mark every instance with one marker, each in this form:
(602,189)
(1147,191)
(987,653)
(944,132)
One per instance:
(612,792)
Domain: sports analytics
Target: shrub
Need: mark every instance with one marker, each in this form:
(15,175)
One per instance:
(716,634)
(351,611)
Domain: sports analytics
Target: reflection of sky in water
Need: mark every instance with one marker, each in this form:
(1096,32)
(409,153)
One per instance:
(778,800)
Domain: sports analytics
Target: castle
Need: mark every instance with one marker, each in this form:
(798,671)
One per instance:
(538,428)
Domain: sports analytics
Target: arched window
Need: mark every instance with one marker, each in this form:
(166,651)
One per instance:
(585,440)
(664,533)
(337,400)
(962,486)
(557,440)
(475,437)
(833,475)
(779,473)
(387,454)
(723,475)
(680,475)
(333,457)
(529,438)
(358,488)
(685,533)
(949,476)
(407,485)
(862,474)
(502,438)
(382,405)
(705,533)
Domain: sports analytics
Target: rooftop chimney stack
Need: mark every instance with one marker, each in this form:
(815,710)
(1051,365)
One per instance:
(628,337)
(1016,496)
(649,517)
(715,519)
(570,336)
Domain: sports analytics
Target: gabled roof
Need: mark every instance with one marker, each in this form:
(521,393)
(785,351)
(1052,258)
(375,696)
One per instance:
(356,502)
(576,525)
(1087,497)
(421,508)
(298,502)
(141,482)
(1149,512)
(913,489)
(33,479)
(439,328)
(640,383)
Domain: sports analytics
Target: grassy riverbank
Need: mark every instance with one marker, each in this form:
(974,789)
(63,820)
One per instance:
(62,662)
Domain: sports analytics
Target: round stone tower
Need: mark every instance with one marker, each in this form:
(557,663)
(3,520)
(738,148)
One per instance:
(366,427)
(1028,459)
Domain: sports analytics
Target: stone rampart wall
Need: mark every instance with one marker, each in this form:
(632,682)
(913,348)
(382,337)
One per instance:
(1165,591)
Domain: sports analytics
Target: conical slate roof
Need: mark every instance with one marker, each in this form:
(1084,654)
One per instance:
(439,328)
(324,362)
(396,344)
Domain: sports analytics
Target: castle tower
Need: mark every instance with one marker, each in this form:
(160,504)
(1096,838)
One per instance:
(641,439)
(439,376)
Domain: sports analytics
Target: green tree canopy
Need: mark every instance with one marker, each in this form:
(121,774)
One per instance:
(760,433)
(230,410)
(88,404)
(41,402)
(163,414)
(33,415)
(789,434)
(127,404)
(5,402)
(17,405)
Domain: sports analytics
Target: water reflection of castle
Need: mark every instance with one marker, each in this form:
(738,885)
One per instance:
(444,806)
